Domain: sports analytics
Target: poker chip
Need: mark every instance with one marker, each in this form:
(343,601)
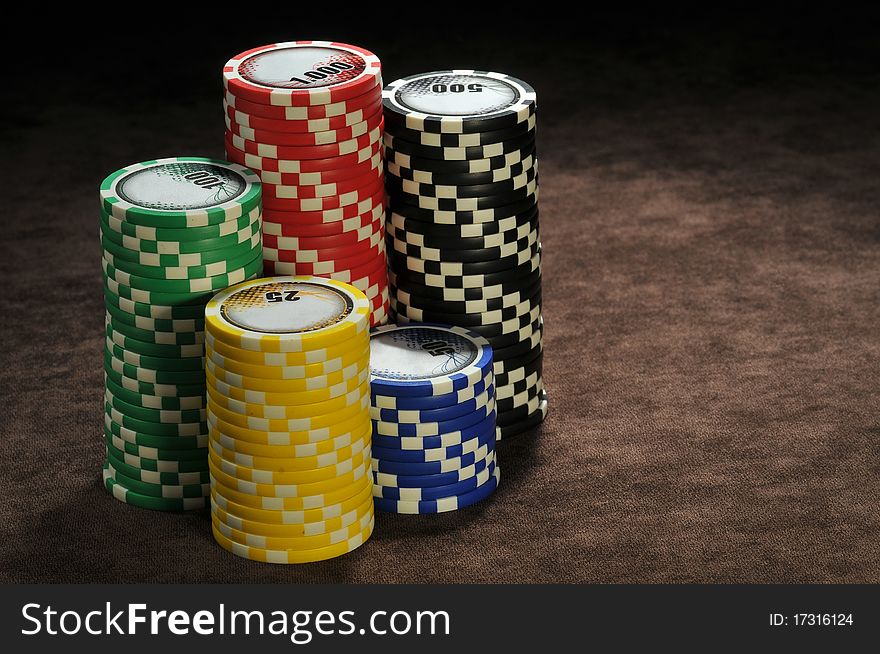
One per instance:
(170,416)
(291,503)
(458,101)
(140,347)
(302,73)
(180,192)
(283,198)
(505,338)
(328,224)
(457,275)
(286,126)
(308,117)
(461,191)
(305,138)
(309,429)
(302,113)
(287,417)
(153,311)
(382,402)
(156,478)
(454,425)
(373,217)
(257,357)
(306,519)
(154,401)
(426,360)
(465,217)
(512,296)
(287,314)
(461,167)
(201,291)
(153,264)
(526,382)
(509,284)
(237,260)
(519,143)
(293,540)
(522,396)
(370,277)
(529,345)
(323,243)
(432,405)
(283,372)
(504,368)
(472,139)
(322,222)
(503,252)
(168,465)
(174,240)
(513,333)
(130,435)
(160,430)
(301,455)
(471,236)
(293,555)
(529,423)
(356,251)
(523,410)
(156,456)
(322,178)
(154,324)
(350,266)
(434,203)
(476,431)
(301,417)
(462,232)
(171,231)
(490,176)
(435,454)
(521,372)
(298,490)
(306,152)
(496,321)
(476,405)
(436,486)
(284,190)
(258,528)
(258,162)
(445,504)
(157,390)
(123,493)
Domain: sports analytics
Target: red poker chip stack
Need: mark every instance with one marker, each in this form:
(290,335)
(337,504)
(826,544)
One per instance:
(307,117)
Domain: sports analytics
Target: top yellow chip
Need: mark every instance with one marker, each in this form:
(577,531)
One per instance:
(288,314)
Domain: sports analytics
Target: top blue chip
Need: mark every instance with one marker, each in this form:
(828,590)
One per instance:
(424,359)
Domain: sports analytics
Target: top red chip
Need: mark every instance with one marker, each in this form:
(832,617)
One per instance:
(302,73)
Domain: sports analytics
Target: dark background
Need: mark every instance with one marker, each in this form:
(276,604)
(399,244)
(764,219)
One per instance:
(712,276)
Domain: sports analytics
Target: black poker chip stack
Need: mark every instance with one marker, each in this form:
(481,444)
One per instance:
(462,234)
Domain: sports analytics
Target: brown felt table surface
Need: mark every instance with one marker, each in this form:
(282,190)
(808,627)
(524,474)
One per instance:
(711,299)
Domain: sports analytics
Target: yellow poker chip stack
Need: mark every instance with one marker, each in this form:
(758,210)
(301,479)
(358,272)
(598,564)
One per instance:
(287,362)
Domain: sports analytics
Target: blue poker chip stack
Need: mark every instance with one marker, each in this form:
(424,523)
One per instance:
(433,409)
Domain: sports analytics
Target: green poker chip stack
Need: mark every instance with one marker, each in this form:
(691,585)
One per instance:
(173,233)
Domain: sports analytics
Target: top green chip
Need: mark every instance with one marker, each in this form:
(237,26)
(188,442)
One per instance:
(181,192)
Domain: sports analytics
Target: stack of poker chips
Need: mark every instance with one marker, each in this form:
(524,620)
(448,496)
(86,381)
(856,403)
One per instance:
(307,117)
(287,362)
(433,411)
(173,232)
(462,236)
